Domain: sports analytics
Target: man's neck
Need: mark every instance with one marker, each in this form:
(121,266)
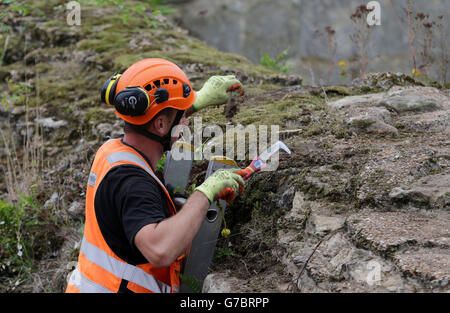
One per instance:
(151,149)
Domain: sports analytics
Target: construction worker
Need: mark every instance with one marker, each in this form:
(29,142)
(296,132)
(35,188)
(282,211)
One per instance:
(134,240)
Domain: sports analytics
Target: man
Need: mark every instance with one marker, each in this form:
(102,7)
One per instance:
(134,239)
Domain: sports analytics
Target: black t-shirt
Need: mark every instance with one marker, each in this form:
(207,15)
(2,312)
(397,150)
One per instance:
(127,199)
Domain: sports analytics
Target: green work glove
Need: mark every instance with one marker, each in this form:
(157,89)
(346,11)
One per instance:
(223,184)
(216,91)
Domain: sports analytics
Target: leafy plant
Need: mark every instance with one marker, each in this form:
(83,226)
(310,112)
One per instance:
(223,252)
(27,234)
(276,63)
(16,94)
(161,163)
(15,242)
(191,282)
(9,8)
(161,7)
(190,190)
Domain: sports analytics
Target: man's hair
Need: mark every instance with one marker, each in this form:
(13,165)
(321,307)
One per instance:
(168,112)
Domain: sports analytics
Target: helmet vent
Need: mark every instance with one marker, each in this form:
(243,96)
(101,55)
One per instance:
(148,87)
(157,83)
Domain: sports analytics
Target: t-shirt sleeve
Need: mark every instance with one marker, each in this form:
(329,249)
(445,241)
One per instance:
(141,202)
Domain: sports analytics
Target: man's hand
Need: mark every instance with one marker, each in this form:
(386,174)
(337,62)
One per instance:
(223,184)
(216,91)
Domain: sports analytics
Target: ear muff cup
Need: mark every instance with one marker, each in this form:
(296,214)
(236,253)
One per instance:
(109,89)
(132,101)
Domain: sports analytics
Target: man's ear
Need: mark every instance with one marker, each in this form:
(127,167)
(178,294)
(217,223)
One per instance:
(160,125)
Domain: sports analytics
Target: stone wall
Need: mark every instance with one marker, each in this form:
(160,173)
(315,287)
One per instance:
(251,27)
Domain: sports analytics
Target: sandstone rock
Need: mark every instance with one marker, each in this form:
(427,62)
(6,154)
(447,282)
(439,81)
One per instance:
(52,201)
(215,284)
(56,35)
(387,232)
(223,282)
(429,192)
(49,122)
(337,265)
(76,209)
(18,110)
(362,114)
(286,198)
(105,131)
(296,217)
(321,225)
(356,101)
(370,122)
(378,274)
(385,80)
(429,265)
(370,113)
(415,99)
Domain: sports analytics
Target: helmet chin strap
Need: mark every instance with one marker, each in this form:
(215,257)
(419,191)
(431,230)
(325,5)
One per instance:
(164,140)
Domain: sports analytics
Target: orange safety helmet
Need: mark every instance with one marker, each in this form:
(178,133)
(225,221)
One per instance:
(146,88)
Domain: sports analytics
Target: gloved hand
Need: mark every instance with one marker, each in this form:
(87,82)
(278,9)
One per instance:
(216,91)
(223,184)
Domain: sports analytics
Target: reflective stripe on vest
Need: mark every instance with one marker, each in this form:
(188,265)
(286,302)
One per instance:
(122,270)
(79,281)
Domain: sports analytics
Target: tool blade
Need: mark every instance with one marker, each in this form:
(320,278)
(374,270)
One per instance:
(274,149)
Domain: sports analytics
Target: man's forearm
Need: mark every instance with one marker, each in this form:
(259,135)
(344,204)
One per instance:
(162,243)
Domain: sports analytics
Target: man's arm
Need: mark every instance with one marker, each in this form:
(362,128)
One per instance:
(161,243)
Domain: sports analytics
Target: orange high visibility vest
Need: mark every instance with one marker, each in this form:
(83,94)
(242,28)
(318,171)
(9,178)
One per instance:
(99,269)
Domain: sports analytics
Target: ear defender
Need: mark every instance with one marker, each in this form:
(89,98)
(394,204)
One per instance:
(132,101)
(109,89)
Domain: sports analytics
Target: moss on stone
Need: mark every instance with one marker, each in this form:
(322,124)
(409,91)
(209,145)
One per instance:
(95,116)
(362,124)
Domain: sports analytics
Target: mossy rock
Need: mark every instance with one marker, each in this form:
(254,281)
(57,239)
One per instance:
(361,123)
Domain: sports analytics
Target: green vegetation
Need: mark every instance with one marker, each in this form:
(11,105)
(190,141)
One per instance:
(161,162)
(138,8)
(27,233)
(191,282)
(16,94)
(362,124)
(11,7)
(276,63)
(223,252)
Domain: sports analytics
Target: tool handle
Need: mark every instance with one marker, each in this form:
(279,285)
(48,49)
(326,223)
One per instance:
(256,165)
